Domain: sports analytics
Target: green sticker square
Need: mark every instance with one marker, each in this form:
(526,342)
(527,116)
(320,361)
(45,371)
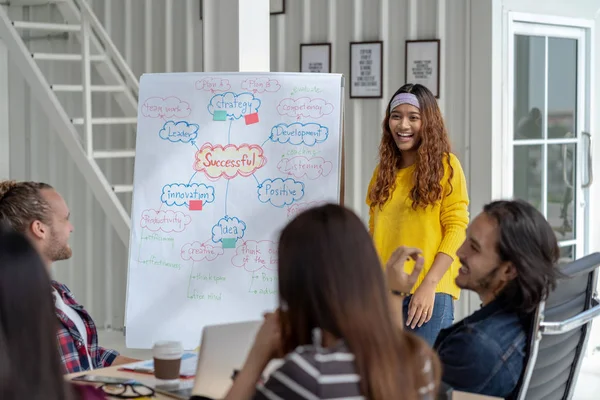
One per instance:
(228,243)
(220,115)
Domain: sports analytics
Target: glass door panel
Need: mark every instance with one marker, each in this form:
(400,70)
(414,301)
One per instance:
(529,86)
(527,174)
(547,114)
(562,88)
(560,189)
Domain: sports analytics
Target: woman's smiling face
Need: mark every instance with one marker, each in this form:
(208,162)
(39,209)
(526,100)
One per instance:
(405,126)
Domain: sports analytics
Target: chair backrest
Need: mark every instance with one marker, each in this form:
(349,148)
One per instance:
(560,332)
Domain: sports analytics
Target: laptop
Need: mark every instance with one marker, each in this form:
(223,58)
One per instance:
(223,351)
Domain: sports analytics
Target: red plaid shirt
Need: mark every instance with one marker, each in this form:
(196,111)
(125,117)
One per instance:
(70,343)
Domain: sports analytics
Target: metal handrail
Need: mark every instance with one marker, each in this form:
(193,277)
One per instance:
(89,24)
(86,77)
(62,125)
(109,46)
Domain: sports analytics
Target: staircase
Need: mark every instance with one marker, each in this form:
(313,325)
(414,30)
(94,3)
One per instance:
(98,55)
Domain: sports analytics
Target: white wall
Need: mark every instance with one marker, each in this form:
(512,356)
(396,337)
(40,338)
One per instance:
(37,154)
(393,21)
(97,272)
(471,33)
(587,11)
(580,12)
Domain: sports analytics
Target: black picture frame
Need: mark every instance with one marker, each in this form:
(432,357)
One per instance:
(279,6)
(356,89)
(418,54)
(325,47)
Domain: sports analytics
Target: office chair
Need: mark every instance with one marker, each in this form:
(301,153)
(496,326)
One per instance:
(560,332)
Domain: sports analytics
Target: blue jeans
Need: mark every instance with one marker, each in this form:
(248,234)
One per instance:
(443,317)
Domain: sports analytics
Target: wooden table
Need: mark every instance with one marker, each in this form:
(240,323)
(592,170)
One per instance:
(470,396)
(150,380)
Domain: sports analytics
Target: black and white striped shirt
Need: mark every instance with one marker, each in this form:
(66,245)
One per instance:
(313,372)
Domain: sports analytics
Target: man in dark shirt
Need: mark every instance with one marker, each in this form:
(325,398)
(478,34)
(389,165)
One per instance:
(509,259)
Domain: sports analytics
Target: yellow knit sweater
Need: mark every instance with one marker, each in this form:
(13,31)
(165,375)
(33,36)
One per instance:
(439,228)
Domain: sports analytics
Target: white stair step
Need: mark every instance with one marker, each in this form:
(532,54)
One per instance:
(114,209)
(114,154)
(46,26)
(94,88)
(66,57)
(32,3)
(107,121)
(122,188)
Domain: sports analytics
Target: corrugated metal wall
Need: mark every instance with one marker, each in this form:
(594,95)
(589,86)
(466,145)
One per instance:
(172,41)
(393,22)
(97,272)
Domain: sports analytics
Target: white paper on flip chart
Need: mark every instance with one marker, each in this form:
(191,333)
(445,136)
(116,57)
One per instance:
(223,162)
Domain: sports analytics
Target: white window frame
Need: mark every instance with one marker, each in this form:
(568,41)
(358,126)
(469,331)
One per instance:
(554,24)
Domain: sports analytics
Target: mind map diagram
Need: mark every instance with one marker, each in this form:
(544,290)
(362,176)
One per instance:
(279,181)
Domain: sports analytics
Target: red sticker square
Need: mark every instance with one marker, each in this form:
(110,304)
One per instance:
(195,205)
(251,118)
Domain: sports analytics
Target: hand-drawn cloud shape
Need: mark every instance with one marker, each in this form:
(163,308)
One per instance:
(298,133)
(181,131)
(178,194)
(280,192)
(228,227)
(166,221)
(253,255)
(169,107)
(301,166)
(297,208)
(213,85)
(261,85)
(304,107)
(236,105)
(197,251)
(229,161)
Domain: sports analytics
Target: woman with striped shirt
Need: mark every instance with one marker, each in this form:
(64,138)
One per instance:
(335,323)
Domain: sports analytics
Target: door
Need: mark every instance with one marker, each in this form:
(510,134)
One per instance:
(549,141)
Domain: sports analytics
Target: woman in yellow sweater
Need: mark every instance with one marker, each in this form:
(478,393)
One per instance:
(418,198)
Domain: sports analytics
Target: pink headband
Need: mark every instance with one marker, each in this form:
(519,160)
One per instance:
(404,98)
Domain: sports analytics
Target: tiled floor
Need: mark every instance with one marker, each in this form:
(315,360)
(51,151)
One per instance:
(588,384)
(587,388)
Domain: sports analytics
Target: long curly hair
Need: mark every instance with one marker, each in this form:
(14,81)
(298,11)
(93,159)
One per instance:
(434,145)
(319,278)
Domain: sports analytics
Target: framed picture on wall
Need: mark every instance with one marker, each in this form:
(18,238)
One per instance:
(366,70)
(423,64)
(277,7)
(315,57)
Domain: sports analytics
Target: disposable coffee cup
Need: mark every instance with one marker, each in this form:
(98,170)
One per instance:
(167,359)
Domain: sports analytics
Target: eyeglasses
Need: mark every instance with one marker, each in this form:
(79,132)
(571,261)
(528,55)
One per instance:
(127,390)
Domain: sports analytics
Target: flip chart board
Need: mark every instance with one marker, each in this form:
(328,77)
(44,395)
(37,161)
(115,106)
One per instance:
(223,162)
